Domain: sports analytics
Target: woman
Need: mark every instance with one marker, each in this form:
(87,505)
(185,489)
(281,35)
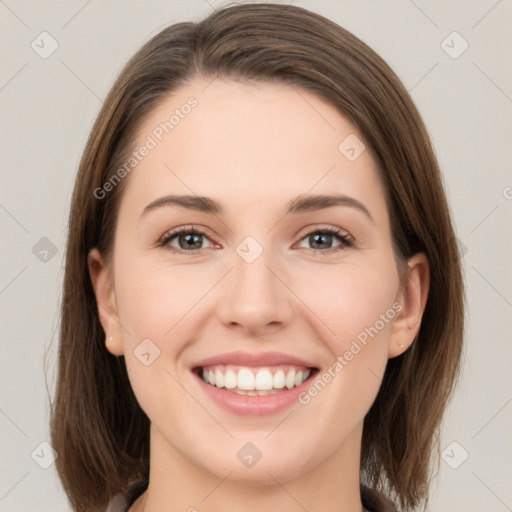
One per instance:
(263,301)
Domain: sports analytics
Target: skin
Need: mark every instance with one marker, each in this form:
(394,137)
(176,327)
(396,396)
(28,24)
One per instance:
(253,147)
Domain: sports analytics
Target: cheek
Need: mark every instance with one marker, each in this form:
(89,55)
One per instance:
(153,299)
(155,304)
(357,307)
(353,301)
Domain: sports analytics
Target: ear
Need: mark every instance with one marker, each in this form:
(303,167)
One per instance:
(102,282)
(412,297)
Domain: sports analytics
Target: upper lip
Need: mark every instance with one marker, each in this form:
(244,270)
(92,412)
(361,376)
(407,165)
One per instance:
(249,359)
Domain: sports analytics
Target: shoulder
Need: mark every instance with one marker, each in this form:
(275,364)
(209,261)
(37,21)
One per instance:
(372,500)
(122,501)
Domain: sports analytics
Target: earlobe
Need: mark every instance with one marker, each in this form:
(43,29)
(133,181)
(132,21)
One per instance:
(413,299)
(101,279)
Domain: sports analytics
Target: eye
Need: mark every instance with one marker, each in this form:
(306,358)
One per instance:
(188,239)
(320,238)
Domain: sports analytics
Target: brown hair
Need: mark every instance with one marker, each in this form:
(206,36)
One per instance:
(97,427)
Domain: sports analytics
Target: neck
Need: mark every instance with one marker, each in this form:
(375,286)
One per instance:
(176,483)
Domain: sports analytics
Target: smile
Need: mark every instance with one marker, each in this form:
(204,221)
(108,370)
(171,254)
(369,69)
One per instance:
(254,381)
(253,384)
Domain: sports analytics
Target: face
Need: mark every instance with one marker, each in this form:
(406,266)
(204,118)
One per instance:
(287,304)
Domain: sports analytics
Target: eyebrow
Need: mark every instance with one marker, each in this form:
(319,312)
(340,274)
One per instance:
(301,204)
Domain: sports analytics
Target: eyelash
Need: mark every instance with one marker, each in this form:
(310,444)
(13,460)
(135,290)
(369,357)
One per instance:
(341,235)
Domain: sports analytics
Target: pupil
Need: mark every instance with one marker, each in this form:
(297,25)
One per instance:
(318,237)
(191,239)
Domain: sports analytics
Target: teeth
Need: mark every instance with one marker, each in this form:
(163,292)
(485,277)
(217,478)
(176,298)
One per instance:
(290,379)
(245,379)
(219,378)
(264,381)
(259,383)
(254,393)
(230,379)
(279,379)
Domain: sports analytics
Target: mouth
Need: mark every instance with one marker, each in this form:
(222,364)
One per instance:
(255,385)
(254,381)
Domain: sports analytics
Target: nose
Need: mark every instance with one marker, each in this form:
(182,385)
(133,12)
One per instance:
(255,297)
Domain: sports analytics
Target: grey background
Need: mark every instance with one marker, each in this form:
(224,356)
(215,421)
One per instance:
(48,107)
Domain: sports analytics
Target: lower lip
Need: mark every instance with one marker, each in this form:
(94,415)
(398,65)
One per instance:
(245,405)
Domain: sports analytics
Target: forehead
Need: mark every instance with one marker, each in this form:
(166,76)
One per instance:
(250,143)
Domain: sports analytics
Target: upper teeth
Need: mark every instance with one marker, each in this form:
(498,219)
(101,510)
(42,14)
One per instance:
(251,379)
